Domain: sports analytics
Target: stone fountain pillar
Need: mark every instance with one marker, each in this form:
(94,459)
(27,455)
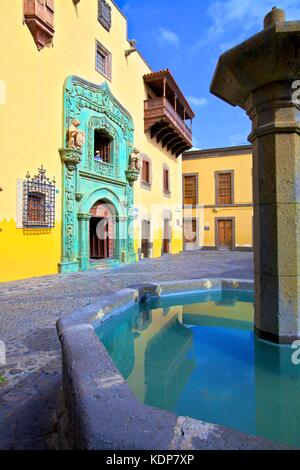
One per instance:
(259,76)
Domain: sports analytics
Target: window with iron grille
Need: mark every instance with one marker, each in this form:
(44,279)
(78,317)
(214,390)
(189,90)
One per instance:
(190,190)
(36,207)
(166,180)
(103,146)
(224,189)
(103,60)
(104,14)
(38,201)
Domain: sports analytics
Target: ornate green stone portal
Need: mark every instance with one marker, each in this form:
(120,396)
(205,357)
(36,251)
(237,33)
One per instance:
(91,111)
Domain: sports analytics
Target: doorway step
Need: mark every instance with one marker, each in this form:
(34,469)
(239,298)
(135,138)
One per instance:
(105,264)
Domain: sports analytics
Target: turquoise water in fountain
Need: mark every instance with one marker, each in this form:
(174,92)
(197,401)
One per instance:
(196,355)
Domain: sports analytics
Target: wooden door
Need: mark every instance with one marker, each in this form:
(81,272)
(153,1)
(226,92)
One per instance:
(166,239)
(145,238)
(225,234)
(99,246)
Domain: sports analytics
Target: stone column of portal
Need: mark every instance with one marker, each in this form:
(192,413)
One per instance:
(70,159)
(258,76)
(84,244)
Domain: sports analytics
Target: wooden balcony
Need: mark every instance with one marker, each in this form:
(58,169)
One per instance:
(166,121)
(39,17)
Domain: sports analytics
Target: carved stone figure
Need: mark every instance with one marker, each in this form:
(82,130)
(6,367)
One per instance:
(76,137)
(135,161)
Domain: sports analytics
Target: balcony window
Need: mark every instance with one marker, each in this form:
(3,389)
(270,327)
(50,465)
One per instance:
(224,188)
(190,183)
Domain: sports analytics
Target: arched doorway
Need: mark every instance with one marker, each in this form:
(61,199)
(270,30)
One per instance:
(102,231)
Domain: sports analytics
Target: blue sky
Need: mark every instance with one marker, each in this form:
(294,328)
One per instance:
(188,37)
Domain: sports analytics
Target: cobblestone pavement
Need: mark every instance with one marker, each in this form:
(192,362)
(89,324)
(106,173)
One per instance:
(31,405)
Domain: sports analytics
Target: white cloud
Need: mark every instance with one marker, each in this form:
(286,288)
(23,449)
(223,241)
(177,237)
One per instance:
(169,37)
(197,101)
(246,14)
(238,19)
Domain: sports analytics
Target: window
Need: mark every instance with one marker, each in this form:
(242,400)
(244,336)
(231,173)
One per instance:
(36,207)
(146,172)
(103,60)
(190,190)
(224,188)
(38,201)
(104,14)
(166,180)
(190,231)
(103,145)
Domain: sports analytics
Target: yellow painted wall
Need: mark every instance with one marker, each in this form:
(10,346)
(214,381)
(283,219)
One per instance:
(159,321)
(31,116)
(242,209)
(242,311)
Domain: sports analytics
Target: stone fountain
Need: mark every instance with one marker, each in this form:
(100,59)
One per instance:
(260,75)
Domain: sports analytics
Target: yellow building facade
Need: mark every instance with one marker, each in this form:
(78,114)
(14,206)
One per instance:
(82,111)
(218,199)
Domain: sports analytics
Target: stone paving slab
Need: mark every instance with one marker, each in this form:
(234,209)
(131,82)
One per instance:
(30,399)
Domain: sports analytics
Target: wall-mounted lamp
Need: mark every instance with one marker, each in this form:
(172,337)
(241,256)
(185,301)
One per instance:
(76,1)
(133,48)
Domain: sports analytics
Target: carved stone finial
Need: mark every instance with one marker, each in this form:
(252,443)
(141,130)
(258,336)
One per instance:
(274,16)
(76,137)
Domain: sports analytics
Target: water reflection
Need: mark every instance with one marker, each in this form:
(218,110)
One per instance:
(197,355)
(169,363)
(277,393)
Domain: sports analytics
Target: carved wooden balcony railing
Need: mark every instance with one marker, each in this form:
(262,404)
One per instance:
(166,112)
(39,17)
(168,127)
